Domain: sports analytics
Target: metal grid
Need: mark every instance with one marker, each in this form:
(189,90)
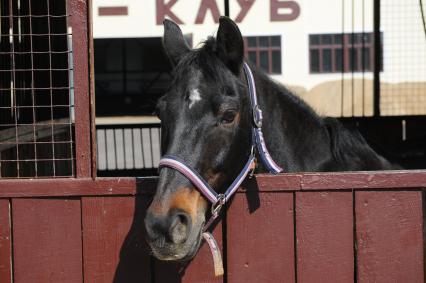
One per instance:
(403,88)
(36,90)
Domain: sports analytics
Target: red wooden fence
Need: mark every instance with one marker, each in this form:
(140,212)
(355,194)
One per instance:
(330,227)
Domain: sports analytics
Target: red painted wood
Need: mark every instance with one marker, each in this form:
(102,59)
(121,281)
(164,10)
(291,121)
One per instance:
(389,236)
(270,182)
(324,231)
(47,240)
(5,242)
(77,187)
(407,180)
(92,88)
(200,269)
(82,95)
(364,180)
(114,243)
(261,243)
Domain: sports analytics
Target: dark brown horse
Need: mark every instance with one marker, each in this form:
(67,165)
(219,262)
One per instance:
(207,122)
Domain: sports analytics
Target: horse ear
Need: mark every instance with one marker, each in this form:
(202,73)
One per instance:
(173,41)
(230,45)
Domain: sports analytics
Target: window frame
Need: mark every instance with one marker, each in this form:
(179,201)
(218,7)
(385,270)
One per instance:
(269,49)
(349,41)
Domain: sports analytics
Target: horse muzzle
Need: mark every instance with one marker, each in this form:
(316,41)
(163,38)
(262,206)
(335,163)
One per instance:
(173,236)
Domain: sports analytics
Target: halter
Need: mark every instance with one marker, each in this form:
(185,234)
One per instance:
(219,200)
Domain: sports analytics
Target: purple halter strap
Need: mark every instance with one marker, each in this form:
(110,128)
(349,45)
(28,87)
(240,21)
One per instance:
(218,200)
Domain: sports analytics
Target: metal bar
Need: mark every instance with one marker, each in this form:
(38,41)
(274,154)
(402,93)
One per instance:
(120,126)
(36,16)
(34,52)
(115,149)
(37,34)
(106,149)
(39,159)
(32,91)
(363,57)
(38,88)
(342,99)
(124,148)
(377,58)
(353,58)
(226,3)
(143,155)
(51,91)
(12,84)
(150,146)
(133,149)
(46,70)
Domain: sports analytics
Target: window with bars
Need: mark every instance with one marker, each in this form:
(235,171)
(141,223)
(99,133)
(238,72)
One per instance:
(337,53)
(36,90)
(264,52)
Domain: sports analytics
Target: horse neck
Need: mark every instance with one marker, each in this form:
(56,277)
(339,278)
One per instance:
(294,134)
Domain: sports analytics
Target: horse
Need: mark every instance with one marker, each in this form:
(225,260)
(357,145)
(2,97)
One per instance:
(207,120)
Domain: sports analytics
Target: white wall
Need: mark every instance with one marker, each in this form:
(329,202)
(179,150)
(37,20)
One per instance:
(316,16)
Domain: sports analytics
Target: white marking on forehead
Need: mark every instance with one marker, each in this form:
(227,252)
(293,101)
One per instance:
(194,96)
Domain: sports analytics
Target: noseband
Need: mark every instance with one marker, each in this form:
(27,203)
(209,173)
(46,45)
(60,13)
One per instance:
(219,200)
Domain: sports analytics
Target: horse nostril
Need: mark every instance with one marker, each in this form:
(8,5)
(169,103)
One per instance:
(172,228)
(179,227)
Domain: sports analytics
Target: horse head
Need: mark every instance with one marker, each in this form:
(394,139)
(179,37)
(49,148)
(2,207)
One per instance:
(206,121)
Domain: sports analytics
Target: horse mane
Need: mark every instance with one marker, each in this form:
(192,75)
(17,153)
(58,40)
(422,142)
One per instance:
(201,56)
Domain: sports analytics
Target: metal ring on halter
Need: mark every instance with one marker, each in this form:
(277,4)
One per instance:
(216,207)
(257,116)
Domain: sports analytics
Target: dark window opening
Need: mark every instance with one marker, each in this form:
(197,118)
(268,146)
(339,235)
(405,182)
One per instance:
(264,52)
(335,53)
(130,75)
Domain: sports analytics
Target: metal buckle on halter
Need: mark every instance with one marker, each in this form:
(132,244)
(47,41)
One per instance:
(257,116)
(216,207)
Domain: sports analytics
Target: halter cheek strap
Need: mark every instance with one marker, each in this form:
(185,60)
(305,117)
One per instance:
(258,139)
(219,200)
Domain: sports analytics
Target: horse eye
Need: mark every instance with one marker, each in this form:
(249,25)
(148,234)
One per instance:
(228,117)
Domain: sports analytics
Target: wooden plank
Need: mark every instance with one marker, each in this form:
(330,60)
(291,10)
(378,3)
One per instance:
(83,98)
(389,233)
(113,239)
(408,180)
(200,269)
(5,242)
(270,182)
(261,242)
(47,240)
(77,187)
(91,48)
(324,228)
(413,179)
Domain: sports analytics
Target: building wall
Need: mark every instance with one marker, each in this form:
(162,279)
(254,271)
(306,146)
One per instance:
(334,94)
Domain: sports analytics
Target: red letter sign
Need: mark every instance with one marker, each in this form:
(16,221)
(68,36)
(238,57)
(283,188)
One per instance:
(245,7)
(164,10)
(289,5)
(202,11)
